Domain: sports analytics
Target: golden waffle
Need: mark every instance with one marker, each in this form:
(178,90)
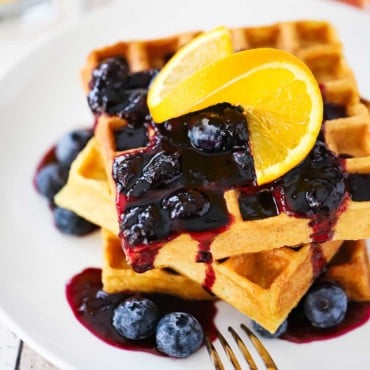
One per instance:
(87,191)
(264,285)
(318,45)
(350,268)
(118,276)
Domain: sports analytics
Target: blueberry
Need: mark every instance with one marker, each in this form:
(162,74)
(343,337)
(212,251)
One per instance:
(111,71)
(50,179)
(266,334)
(208,132)
(70,223)
(70,145)
(141,225)
(162,169)
(115,91)
(107,85)
(136,318)
(125,170)
(134,109)
(325,305)
(219,128)
(317,185)
(186,203)
(179,334)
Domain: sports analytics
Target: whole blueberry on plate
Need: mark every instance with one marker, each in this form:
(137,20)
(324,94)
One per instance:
(70,145)
(266,334)
(136,318)
(70,223)
(325,305)
(179,334)
(50,179)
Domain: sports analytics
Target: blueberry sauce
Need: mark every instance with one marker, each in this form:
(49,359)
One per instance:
(331,110)
(318,260)
(257,205)
(334,111)
(316,189)
(176,184)
(204,255)
(300,329)
(359,185)
(131,136)
(94,309)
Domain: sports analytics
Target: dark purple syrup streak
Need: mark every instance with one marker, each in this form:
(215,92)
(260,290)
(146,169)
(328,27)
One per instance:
(318,259)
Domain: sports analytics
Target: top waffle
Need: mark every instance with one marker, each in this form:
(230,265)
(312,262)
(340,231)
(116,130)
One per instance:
(346,132)
(255,283)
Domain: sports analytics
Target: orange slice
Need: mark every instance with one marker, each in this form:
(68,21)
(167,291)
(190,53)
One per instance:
(201,51)
(278,92)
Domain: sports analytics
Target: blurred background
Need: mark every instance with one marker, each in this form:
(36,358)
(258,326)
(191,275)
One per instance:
(25,23)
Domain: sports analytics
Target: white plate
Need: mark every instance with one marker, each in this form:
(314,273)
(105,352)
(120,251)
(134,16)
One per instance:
(40,99)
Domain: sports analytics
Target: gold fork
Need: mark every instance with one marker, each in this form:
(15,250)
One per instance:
(215,358)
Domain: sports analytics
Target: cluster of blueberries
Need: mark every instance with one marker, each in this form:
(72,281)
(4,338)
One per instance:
(177,334)
(116,91)
(53,175)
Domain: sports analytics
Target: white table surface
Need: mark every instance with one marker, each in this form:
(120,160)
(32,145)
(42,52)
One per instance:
(17,37)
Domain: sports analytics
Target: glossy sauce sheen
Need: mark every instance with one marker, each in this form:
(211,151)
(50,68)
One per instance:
(94,309)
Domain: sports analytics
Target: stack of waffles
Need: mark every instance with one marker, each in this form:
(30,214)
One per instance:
(260,266)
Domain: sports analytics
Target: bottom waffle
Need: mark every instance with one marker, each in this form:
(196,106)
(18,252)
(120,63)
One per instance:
(265,286)
(350,269)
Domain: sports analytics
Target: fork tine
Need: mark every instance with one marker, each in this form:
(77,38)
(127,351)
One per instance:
(230,353)
(269,362)
(243,348)
(214,355)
